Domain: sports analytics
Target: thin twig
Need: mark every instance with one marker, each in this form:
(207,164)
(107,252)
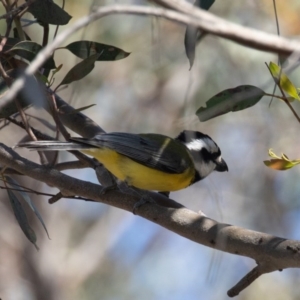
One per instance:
(17,10)
(278,33)
(244,282)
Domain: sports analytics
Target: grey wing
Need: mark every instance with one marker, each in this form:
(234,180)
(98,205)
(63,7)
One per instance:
(152,150)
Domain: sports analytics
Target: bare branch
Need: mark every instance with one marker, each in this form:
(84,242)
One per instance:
(243,35)
(270,252)
(244,282)
(196,17)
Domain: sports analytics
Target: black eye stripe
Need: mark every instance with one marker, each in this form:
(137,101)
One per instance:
(214,156)
(209,156)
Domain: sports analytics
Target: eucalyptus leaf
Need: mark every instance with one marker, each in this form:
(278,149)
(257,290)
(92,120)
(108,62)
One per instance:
(80,70)
(239,98)
(47,12)
(22,218)
(84,49)
(14,184)
(193,35)
(77,110)
(280,163)
(29,50)
(284,81)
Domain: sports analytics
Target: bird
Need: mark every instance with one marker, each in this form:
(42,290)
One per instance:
(148,161)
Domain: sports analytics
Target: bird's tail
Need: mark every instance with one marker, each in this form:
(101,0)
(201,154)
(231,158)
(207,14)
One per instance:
(53,146)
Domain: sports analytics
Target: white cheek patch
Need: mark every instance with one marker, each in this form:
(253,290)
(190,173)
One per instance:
(206,143)
(205,169)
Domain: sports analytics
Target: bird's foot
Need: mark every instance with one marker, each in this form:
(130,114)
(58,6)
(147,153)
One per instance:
(106,189)
(143,200)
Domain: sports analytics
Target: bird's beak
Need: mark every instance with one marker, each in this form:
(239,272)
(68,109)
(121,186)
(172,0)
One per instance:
(221,165)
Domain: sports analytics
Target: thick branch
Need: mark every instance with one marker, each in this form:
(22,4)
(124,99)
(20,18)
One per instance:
(273,252)
(196,17)
(243,35)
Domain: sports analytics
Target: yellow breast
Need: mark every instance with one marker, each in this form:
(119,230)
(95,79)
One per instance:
(138,175)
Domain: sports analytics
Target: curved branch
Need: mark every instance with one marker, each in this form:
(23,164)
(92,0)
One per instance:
(241,34)
(196,17)
(270,252)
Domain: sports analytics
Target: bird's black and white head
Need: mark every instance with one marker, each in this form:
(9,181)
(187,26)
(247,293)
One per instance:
(205,153)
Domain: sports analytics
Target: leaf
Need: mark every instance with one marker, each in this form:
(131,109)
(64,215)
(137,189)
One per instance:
(190,39)
(14,184)
(80,70)
(280,163)
(84,49)
(47,12)
(29,50)
(285,82)
(193,35)
(75,111)
(235,99)
(22,218)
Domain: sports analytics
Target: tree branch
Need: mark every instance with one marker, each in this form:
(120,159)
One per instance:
(245,282)
(196,17)
(243,35)
(270,252)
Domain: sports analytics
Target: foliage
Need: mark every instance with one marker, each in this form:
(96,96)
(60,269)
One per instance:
(17,53)
(20,48)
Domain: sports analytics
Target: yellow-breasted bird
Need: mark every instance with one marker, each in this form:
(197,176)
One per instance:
(148,161)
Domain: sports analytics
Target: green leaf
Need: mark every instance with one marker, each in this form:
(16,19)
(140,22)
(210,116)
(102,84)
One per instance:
(14,184)
(80,70)
(193,35)
(235,99)
(75,111)
(190,39)
(29,50)
(280,163)
(284,82)
(204,4)
(22,218)
(47,12)
(84,49)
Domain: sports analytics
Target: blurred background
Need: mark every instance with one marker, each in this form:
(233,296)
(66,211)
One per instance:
(101,252)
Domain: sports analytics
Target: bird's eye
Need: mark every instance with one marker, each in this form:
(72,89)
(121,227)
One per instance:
(216,155)
(207,156)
